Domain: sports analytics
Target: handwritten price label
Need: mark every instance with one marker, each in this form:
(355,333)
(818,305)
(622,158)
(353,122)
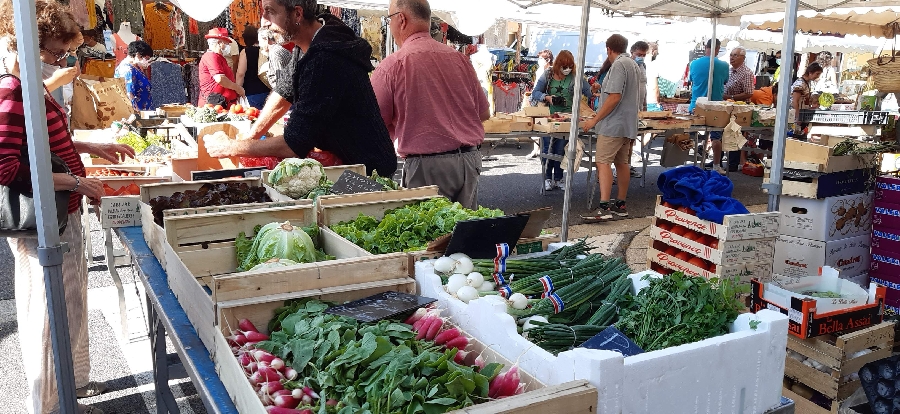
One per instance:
(122,211)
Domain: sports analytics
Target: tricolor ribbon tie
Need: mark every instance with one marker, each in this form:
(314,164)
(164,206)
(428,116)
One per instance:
(558,305)
(499,280)
(500,259)
(505,291)
(547,283)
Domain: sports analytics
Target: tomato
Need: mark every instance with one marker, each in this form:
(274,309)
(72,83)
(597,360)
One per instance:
(693,235)
(713,268)
(218,108)
(667,204)
(672,251)
(683,256)
(687,210)
(665,225)
(679,230)
(696,261)
(707,240)
(237,109)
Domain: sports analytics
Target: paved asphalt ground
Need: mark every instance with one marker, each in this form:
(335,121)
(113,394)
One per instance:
(511,183)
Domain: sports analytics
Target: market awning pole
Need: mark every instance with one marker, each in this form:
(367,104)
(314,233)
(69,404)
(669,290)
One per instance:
(50,252)
(575,129)
(712,60)
(783,110)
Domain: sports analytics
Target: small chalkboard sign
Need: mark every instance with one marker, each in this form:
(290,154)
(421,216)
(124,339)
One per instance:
(380,306)
(230,173)
(478,238)
(352,183)
(612,339)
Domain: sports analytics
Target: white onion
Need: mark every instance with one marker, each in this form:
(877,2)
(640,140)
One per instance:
(458,256)
(464,266)
(467,293)
(444,265)
(518,301)
(475,280)
(455,282)
(486,286)
(528,325)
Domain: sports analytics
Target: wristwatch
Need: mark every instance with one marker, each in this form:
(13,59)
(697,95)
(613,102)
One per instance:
(77,181)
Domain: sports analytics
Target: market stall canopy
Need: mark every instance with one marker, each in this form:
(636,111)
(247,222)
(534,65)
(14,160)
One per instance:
(202,10)
(764,40)
(472,17)
(879,22)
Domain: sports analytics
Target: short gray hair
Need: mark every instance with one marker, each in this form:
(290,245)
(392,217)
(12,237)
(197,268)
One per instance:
(740,49)
(308,6)
(419,9)
(213,41)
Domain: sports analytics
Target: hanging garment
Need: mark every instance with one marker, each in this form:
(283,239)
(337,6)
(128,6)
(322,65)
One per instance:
(79,10)
(243,13)
(371,31)
(129,11)
(121,48)
(91,14)
(194,28)
(335,11)
(351,18)
(176,25)
(156,27)
(191,75)
(110,15)
(99,68)
(166,84)
(507,97)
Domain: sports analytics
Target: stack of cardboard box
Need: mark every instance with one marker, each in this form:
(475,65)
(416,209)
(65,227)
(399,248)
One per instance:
(885,259)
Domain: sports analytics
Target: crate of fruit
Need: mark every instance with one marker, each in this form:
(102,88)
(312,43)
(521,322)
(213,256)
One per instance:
(734,227)
(125,180)
(665,259)
(709,248)
(638,383)
(450,370)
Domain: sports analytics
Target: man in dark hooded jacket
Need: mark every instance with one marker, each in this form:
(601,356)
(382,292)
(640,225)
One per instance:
(334,106)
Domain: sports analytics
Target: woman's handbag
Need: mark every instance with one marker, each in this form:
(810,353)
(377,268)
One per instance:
(17,211)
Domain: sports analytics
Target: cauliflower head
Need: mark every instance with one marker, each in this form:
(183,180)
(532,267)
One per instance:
(295,177)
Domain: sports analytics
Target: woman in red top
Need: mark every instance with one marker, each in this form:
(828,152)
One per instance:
(216,77)
(57,30)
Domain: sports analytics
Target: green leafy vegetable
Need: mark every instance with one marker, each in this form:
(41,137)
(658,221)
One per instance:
(409,228)
(679,309)
(295,177)
(279,241)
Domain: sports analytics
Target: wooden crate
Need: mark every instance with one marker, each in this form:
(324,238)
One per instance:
(569,398)
(333,209)
(836,352)
(332,173)
(201,263)
(805,406)
(820,158)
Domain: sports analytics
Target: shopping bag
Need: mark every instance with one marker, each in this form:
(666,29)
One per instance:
(579,153)
(98,102)
(732,137)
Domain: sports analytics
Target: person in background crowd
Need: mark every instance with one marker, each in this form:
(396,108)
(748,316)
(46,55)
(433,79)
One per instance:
(653,80)
(56,72)
(639,52)
(57,32)
(738,88)
(545,62)
(557,89)
(773,63)
(440,146)
(248,67)
(90,41)
(335,108)
(216,76)
(232,54)
(132,70)
(699,75)
(618,118)
(801,90)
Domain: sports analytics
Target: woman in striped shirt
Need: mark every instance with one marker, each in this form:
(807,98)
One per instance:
(57,30)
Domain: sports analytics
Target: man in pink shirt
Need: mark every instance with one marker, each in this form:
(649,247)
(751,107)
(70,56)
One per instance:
(433,106)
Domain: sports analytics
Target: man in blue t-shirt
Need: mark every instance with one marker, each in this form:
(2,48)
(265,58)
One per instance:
(699,73)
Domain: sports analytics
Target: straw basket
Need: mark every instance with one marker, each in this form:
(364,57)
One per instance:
(885,71)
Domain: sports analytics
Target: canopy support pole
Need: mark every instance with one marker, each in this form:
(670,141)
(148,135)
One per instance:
(50,251)
(575,129)
(774,186)
(713,55)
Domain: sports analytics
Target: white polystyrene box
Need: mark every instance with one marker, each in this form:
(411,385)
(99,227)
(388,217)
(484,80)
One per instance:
(731,373)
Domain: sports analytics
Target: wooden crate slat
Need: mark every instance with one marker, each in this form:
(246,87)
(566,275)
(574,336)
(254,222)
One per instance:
(412,193)
(819,381)
(182,231)
(332,293)
(569,398)
(836,356)
(804,406)
(193,298)
(339,213)
(855,364)
(865,338)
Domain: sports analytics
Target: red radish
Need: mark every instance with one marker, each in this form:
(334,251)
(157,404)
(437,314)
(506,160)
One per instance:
(277,364)
(291,374)
(473,360)
(286,401)
(281,392)
(433,329)
(255,336)
(251,367)
(331,402)
(460,357)
(281,410)
(246,325)
(237,340)
(262,364)
(268,374)
(417,325)
(255,379)
(505,385)
(418,314)
(446,335)
(235,350)
(309,391)
(425,323)
(245,359)
(270,387)
(261,355)
(460,342)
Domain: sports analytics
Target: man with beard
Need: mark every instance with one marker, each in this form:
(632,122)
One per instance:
(334,105)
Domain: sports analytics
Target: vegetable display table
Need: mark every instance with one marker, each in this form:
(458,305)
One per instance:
(167,317)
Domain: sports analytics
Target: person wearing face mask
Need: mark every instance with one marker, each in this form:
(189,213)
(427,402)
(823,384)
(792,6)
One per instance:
(57,32)
(132,70)
(639,52)
(216,76)
(557,89)
(440,146)
(56,73)
(545,62)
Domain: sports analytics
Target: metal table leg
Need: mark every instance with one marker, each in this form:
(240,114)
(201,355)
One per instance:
(111,259)
(590,203)
(165,401)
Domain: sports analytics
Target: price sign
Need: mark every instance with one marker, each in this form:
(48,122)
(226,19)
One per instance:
(352,183)
(612,339)
(122,211)
(380,306)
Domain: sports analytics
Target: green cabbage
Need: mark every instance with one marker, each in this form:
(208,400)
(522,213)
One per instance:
(274,263)
(276,240)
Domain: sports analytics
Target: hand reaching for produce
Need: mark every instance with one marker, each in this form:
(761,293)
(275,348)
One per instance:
(589,124)
(91,188)
(218,146)
(114,153)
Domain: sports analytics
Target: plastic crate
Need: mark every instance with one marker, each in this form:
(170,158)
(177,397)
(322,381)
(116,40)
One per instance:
(844,117)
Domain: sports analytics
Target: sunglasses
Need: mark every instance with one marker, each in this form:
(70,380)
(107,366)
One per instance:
(57,55)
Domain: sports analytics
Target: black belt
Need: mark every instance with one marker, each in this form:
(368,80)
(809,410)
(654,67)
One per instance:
(460,150)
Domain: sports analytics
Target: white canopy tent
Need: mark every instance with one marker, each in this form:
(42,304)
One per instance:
(878,22)
(764,40)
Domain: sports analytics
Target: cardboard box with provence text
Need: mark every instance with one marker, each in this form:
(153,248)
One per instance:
(796,257)
(827,219)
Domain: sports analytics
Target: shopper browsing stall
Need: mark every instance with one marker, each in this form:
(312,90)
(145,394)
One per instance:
(740,78)
(216,77)
(248,66)
(699,75)
(56,32)
(414,87)
(334,105)
(618,118)
(132,70)
(639,52)
(545,62)
(556,89)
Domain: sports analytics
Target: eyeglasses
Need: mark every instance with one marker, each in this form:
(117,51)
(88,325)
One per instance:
(57,55)
(387,19)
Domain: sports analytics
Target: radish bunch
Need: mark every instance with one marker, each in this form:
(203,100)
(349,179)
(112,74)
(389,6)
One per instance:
(429,327)
(268,373)
(506,384)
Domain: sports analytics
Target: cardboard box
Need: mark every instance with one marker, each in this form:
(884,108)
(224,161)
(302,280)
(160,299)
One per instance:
(797,257)
(497,126)
(734,227)
(714,118)
(536,111)
(819,219)
(892,294)
(743,119)
(782,294)
(886,215)
(727,253)
(887,240)
(550,126)
(884,264)
(810,184)
(801,155)
(805,322)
